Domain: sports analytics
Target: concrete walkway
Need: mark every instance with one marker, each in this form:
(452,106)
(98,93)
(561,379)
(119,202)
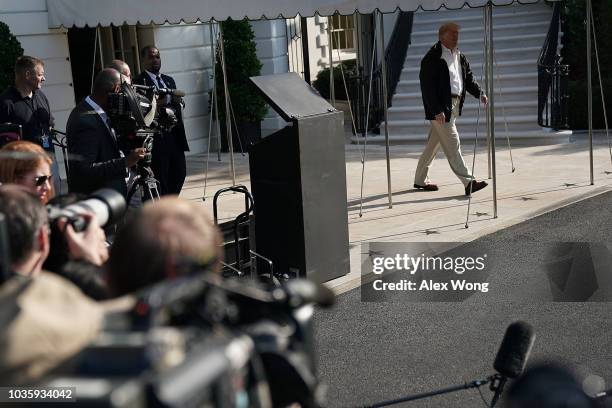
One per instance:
(546,178)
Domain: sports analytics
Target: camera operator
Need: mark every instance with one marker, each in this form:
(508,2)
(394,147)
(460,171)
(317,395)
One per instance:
(123,68)
(45,318)
(95,158)
(154,243)
(168,161)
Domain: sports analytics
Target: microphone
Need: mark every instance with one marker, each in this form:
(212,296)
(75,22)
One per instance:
(301,291)
(512,356)
(169,91)
(514,350)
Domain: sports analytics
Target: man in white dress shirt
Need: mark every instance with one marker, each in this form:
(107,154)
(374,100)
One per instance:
(445,77)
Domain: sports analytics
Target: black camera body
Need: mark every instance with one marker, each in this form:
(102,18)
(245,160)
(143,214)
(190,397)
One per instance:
(199,341)
(108,206)
(137,116)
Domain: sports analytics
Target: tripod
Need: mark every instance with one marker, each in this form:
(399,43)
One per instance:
(145,179)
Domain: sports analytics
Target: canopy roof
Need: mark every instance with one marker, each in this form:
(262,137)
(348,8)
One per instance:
(80,13)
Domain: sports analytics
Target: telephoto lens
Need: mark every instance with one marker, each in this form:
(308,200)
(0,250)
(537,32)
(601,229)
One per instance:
(108,205)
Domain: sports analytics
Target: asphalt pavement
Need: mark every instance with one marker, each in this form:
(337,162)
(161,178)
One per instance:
(373,351)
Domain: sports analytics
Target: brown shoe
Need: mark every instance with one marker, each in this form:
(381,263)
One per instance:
(474,186)
(427,187)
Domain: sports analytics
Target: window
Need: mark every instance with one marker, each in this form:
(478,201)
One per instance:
(342,31)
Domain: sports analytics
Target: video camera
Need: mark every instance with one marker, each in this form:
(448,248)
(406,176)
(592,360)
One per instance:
(201,341)
(137,115)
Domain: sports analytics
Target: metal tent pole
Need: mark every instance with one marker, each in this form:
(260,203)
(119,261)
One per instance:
(332,93)
(491,102)
(228,120)
(384,86)
(589,21)
(213,53)
(487,87)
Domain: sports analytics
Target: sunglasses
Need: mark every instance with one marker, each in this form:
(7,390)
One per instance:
(40,180)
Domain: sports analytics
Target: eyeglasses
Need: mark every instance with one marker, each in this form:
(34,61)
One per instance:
(40,180)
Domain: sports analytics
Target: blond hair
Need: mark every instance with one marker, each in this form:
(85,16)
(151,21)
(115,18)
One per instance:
(447,26)
(19,158)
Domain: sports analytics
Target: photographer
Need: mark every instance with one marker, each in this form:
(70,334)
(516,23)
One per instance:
(154,244)
(28,234)
(45,318)
(95,158)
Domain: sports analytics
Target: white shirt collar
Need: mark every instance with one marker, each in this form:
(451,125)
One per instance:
(97,108)
(449,51)
(154,77)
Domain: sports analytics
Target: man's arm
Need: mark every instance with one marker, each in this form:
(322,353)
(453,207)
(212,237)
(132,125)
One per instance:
(470,83)
(83,145)
(6,111)
(51,118)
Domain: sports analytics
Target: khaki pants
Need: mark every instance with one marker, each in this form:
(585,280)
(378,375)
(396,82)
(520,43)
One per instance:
(445,135)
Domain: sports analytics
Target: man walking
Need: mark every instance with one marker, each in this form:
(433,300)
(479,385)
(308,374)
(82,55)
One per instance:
(445,77)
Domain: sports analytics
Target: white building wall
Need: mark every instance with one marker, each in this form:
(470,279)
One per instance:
(187,57)
(271,40)
(28,21)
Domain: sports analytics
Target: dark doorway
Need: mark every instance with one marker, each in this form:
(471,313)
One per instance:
(83,59)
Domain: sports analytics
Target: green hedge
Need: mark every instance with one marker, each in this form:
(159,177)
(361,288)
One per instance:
(321,83)
(10,50)
(241,62)
(578,107)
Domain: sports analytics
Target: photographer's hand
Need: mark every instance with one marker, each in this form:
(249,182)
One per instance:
(88,245)
(134,156)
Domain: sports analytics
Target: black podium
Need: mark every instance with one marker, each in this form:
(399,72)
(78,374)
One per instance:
(298,179)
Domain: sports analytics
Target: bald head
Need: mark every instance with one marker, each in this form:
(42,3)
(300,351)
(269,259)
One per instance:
(107,81)
(123,68)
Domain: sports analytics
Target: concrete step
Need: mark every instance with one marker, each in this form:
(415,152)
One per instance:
(505,108)
(500,68)
(465,124)
(535,136)
(476,58)
(508,81)
(477,44)
(467,16)
(522,93)
(500,30)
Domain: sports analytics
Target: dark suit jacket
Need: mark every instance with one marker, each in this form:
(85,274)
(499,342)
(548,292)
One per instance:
(178,132)
(95,159)
(435,83)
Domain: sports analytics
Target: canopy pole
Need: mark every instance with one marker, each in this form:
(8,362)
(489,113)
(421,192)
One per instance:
(491,96)
(601,88)
(589,21)
(332,93)
(93,66)
(487,88)
(228,120)
(365,131)
(383,63)
(213,53)
(212,110)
